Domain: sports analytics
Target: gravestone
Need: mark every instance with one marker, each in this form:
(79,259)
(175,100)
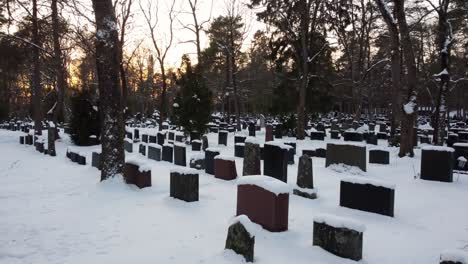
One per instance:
(461,155)
(378,156)
(239,139)
(454,256)
(335,134)
(144,138)
(154,151)
(196,145)
(309,152)
(239,239)
(317,135)
(142,149)
(291,152)
(96,159)
(437,163)
(21,140)
(367,195)
(222,137)
(371,139)
(179,154)
(225,168)
(276,161)
(128,145)
(210,153)
(268,133)
(152,139)
(251,129)
(339,236)
(184,184)
(452,138)
(137,173)
(320,153)
(351,155)
(305,180)
(278,131)
(239,150)
(352,136)
(161,137)
(205,142)
(167,152)
(265,201)
(197,161)
(252,155)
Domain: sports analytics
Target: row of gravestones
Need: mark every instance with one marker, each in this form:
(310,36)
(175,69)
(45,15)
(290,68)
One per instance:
(39,142)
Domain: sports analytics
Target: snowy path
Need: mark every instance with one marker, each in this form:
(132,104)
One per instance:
(54,211)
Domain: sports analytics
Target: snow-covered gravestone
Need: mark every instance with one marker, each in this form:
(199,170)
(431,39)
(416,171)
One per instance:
(252,154)
(144,138)
(197,161)
(179,154)
(461,156)
(128,145)
(136,135)
(152,139)
(167,152)
(265,200)
(317,135)
(239,139)
(225,167)
(437,163)
(275,162)
(454,257)
(367,195)
(240,238)
(137,172)
(196,145)
(340,236)
(251,129)
(184,184)
(305,179)
(348,154)
(210,154)
(291,152)
(379,156)
(21,140)
(352,136)
(222,137)
(154,151)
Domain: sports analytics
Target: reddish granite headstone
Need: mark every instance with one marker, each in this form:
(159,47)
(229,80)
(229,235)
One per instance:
(225,168)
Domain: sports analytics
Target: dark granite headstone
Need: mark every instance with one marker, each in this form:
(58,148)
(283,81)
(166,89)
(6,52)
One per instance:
(239,150)
(184,185)
(379,156)
(209,160)
(154,152)
(222,137)
(167,152)
(351,155)
(437,164)
(179,155)
(276,161)
(252,157)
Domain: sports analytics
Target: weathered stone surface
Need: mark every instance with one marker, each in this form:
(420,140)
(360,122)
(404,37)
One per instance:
(251,164)
(240,241)
(184,186)
(343,242)
(347,154)
(305,173)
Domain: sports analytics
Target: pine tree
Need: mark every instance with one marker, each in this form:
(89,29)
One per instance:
(192,106)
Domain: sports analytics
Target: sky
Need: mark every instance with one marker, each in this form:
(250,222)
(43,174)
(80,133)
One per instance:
(207,11)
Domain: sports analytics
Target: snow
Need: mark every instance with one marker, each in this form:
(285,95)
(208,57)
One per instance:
(56,211)
(143,166)
(461,159)
(409,107)
(348,143)
(225,157)
(197,156)
(265,182)
(443,72)
(454,256)
(461,144)
(250,226)
(154,145)
(184,171)
(278,144)
(339,222)
(240,144)
(213,149)
(179,144)
(367,180)
(438,148)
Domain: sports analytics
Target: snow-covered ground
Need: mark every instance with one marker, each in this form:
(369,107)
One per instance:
(56,211)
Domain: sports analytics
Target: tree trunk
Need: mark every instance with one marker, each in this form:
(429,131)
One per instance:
(409,109)
(300,133)
(36,75)
(59,65)
(107,62)
(162,115)
(445,40)
(395,65)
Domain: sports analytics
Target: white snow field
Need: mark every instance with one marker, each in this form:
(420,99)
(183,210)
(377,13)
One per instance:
(56,211)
